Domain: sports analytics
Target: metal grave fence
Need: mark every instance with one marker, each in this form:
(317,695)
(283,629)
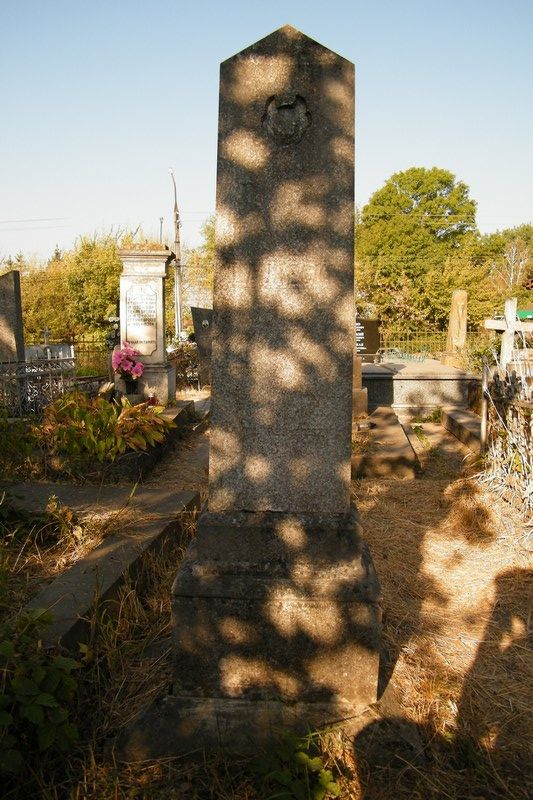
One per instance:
(27,386)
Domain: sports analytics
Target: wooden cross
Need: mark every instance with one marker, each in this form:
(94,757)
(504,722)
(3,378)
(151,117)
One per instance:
(508,327)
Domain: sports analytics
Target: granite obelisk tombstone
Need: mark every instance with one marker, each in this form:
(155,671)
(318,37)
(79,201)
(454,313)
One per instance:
(276,605)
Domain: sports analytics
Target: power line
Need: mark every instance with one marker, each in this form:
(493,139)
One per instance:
(34,228)
(39,219)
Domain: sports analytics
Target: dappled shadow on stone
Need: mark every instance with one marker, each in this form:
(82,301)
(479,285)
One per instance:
(276,607)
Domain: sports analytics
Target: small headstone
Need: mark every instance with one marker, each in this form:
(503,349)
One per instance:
(142,318)
(202,320)
(456,339)
(11,325)
(367,338)
(360,394)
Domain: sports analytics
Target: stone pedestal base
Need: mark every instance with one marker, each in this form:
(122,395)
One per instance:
(174,725)
(161,378)
(276,624)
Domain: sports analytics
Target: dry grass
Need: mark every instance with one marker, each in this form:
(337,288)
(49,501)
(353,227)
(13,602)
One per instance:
(455,568)
(34,551)
(457,583)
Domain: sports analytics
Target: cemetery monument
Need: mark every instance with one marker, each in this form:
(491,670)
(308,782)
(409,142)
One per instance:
(456,339)
(142,318)
(202,320)
(276,604)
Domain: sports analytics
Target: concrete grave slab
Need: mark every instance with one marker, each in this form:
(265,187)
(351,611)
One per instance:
(390,454)
(417,386)
(98,576)
(465,426)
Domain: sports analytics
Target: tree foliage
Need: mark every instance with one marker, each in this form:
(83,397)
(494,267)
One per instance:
(76,292)
(510,254)
(408,230)
(93,272)
(200,264)
(468,268)
(45,300)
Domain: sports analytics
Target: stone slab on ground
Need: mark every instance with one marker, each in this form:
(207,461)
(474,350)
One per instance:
(226,724)
(390,454)
(201,399)
(417,386)
(71,597)
(95,501)
(465,426)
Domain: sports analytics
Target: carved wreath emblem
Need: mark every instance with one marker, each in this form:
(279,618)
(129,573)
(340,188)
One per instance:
(286,118)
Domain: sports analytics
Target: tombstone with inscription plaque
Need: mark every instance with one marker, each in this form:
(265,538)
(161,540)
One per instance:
(367,338)
(142,318)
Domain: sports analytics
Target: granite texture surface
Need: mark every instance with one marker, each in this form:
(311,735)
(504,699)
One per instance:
(283,300)
(270,606)
(276,606)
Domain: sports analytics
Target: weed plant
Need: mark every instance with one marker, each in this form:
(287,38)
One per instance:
(80,430)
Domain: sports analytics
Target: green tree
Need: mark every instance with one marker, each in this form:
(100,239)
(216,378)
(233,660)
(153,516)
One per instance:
(510,253)
(46,301)
(466,267)
(93,273)
(200,264)
(408,230)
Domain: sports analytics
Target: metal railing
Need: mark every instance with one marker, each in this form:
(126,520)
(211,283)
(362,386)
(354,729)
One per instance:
(91,353)
(426,343)
(27,386)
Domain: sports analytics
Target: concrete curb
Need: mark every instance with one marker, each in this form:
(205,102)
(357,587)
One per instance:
(465,426)
(72,597)
(391,455)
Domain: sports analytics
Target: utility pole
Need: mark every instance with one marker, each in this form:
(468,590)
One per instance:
(177,252)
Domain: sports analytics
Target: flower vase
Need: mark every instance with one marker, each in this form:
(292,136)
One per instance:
(131,391)
(130,385)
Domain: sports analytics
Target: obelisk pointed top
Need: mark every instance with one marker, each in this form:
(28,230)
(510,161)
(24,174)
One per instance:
(287,35)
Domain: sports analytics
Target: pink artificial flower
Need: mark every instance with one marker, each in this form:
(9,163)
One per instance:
(125,363)
(116,359)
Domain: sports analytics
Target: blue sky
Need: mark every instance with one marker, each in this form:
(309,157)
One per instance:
(100,98)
